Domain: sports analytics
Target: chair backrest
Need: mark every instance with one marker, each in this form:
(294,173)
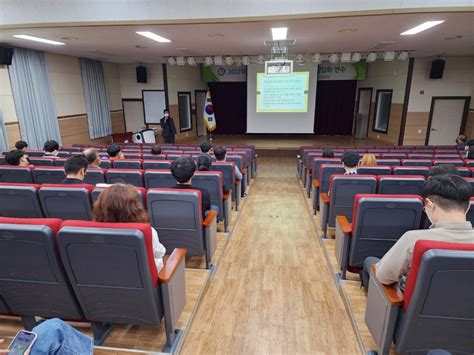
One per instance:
(59,161)
(227,170)
(95,176)
(105,164)
(16,174)
(140,190)
(153,157)
(417,162)
(400,184)
(212,181)
(463,171)
(124,176)
(66,201)
(20,201)
(127,164)
(388,162)
(379,221)
(177,217)
(374,170)
(132,155)
(32,279)
(438,298)
(112,270)
(48,175)
(173,157)
(159,178)
(411,170)
(37,161)
(343,189)
(317,162)
(325,173)
(157,164)
(63,154)
(238,160)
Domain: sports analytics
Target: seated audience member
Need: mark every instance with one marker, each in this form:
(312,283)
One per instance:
(328,153)
(51,148)
(444,169)
(446,204)
(470,153)
(368,160)
(75,170)
(115,152)
(461,141)
(183,170)
(220,153)
(205,147)
(469,144)
(92,157)
(204,162)
(21,145)
(350,162)
(156,150)
(17,157)
(119,204)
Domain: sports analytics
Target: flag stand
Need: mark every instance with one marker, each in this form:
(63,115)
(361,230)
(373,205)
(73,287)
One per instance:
(211,138)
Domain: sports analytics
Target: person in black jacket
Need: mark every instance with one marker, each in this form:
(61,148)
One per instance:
(168,129)
(183,170)
(75,170)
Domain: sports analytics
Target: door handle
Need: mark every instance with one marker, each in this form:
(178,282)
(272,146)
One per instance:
(433,129)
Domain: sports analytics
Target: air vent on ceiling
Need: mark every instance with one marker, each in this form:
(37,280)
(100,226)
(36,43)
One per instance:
(381,45)
(280,43)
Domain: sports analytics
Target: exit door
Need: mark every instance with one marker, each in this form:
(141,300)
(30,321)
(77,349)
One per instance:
(447,119)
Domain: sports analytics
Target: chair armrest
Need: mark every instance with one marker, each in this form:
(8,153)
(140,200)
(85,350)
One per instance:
(316,183)
(324,197)
(212,215)
(392,292)
(346,227)
(244,171)
(227,195)
(343,243)
(166,273)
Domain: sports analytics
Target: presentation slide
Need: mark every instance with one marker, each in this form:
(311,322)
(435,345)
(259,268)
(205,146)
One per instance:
(282,93)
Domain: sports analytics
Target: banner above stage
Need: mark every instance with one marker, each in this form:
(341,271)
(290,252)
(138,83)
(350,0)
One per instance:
(342,71)
(215,73)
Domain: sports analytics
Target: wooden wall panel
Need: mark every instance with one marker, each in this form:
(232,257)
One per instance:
(391,137)
(75,130)
(469,131)
(118,121)
(13,133)
(416,122)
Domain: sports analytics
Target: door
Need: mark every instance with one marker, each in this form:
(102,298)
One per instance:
(363,112)
(133,112)
(200,100)
(185,111)
(447,119)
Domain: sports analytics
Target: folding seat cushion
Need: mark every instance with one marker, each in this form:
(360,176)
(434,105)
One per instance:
(374,170)
(140,190)
(411,170)
(20,200)
(159,178)
(124,176)
(127,164)
(48,175)
(157,164)
(400,184)
(149,156)
(32,278)
(66,201)
(105,163)
(16,174)
(36,161)
(457,162)
(417,162)
(95,176)
(388,162)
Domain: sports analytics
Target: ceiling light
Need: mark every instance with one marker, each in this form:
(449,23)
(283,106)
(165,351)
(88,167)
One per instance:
(180,61)
(208,61)
(279,33)
(153,36)
(356,57)
(371,57)
(334,58)
(245,60)
(38,39)
(316,58)
(261,59)
(403,55)
(346,57)
(218,60)
(228,61)
(420,28)
(171,61)
(191,61)
(389,56)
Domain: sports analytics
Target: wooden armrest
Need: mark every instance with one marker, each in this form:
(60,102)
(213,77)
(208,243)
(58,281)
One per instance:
(346,227)
(167,272)
(227,195)
(209,218)
(324,197)
(244,171)
(316,183)
(392,292)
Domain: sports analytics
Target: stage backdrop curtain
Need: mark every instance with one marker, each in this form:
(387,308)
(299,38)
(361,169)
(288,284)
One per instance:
(334,112)
(95,94)
(229,100)
(33,98)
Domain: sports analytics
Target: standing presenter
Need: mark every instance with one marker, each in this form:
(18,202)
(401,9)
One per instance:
(168,129)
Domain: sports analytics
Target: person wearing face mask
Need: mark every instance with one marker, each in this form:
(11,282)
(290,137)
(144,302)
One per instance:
(446,199)
(168,129)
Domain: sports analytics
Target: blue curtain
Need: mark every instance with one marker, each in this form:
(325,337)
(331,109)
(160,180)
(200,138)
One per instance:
(95,93)
(33,98)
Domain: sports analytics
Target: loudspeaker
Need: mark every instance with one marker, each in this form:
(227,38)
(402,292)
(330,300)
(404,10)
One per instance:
(6,55)
(141,74)
(437,68)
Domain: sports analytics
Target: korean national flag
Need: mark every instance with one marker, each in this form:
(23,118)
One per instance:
(209,119)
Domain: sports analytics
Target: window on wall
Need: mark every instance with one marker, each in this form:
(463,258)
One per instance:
(383,103)
(184,107)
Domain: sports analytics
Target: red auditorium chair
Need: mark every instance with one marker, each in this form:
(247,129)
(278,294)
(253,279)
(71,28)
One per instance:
(35,153)
(469,163)
(105,164)
(420,156)
(457,162)
(157,164)
(153,157)
(313,170)
(60,161)
(140,190)
(394,155)
(388,162)
(177,217)
(63,154)
(239,161)
(16,174)
(411,170)
(116,280)
(95,176)
(66,201)
(436,309)
(417,162)
(33,282)
(464,171)
(324,179)
(173,157)
(20,201)
(42,161)
(159,178)
(124,176)
(374,170)
(377,223)
(128,155)
(340,199)
(127,164)
(228,172)
(71,149)
(48,175)
(400,184)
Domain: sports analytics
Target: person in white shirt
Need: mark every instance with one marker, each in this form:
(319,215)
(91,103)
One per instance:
(119,203)
(51,148)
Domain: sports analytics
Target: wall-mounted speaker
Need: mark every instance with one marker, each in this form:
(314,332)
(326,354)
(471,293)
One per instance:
(6,55)
(141,74)
(437,69)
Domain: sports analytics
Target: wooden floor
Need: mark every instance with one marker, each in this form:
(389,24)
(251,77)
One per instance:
(273,292)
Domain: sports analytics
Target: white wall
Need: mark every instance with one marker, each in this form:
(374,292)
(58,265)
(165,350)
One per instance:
(112,82)
(130,89)
(7,105)
(185,78)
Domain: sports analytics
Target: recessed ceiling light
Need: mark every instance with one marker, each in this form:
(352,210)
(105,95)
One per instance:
(347,30)
(279,33)
(424,26)
(38,39)
(215,35)
(153,36)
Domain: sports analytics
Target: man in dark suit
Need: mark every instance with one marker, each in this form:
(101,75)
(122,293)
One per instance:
(75,170)
(168,129)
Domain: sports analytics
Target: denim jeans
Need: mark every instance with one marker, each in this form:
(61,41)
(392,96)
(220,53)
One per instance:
(58,337)
(365,274)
